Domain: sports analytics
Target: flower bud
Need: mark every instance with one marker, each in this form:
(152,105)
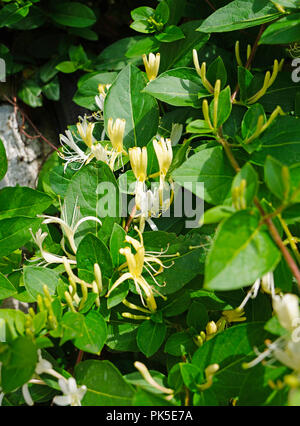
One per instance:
(286,308)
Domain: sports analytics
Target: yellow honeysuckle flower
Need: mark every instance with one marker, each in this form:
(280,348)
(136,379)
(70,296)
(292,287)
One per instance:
(138,160)
(85,131)
(151,65)
(115,132)
(136,264)
(164,154)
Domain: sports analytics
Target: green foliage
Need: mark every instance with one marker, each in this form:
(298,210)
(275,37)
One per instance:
(164,235)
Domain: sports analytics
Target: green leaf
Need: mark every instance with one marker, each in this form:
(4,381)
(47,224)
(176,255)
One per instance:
(277,178)
(12,13)
(179,87)
(21,366)
(230,349)
(150,337)
(285,30)
(248,174)
(34,19)
(3,161)
(198,127)
(117,241)
(162,12)
(105,384)
(179,53)
(93,199)
(88,88)
(179,344)
(143,46)
(18,201)
(250,120)
(142,398)
(14,233)
(35,277)
(121,336)
(169,34)
(30,93)
(142,12)
(125,100)
(211,167)
(238,15)
(52,89)
(250,255)
(281,141)
(224,107)
(92,250)
(114,57)
(73,14)
(72,324)
(6,287)
(94,333)
(217,71)
(67,67)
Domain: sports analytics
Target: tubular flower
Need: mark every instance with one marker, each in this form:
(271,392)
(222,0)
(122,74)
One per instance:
(286,348)
(151,65)
(136,264)
(71,153)
(138,161)
(164,154)
(72,395)
(85,130)
(39,238)
(69,230)
(99,99)
(266,283)
(115,132)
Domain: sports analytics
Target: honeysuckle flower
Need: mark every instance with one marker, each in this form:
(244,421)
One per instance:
(100,153)
(42,366)
(70,230)
(136,263)
(26,395)
(148,207)
(72,394)
(164,154)
(39,238)
(286,308)
(145,373)
(115,130)
(85,130)
(286,349)
(99,99)
(71,152)
(151,65)
(266,283)
(138,161)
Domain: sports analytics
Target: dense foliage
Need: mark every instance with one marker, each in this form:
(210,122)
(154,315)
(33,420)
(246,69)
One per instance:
(160,251)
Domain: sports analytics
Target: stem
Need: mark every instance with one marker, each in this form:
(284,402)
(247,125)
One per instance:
(250,59)
(290,238)
(268,221)
(130,219)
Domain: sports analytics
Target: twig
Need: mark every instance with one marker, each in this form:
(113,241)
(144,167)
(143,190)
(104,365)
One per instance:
(250,59)
(25,118)
(130,219)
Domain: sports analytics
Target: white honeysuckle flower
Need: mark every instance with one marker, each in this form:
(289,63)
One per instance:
(70,230)
(267,285)
(286,308)
(99,99)
(290,355)
(71,152)
(42,366)
(39,238)
(100,153)
(176,133)
(26,395)
(72,395)
(151,65)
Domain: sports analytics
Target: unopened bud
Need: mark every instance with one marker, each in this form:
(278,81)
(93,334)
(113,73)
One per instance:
(211,328)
